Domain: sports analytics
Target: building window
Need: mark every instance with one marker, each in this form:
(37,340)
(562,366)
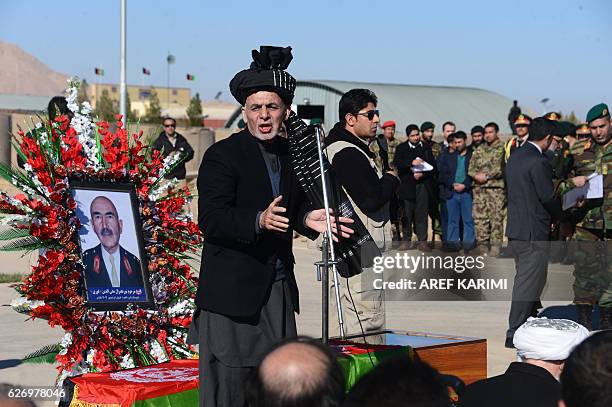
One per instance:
(144,94)
(174,92)
(114,89)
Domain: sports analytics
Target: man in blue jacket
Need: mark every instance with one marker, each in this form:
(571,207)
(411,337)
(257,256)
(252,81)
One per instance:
(456,190)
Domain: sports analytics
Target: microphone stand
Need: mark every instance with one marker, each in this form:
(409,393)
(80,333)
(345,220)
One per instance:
(327,250)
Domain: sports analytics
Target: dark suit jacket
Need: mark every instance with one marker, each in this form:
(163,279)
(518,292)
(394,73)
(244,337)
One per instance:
(162,143)
(447,167)
(404,155)
(522,385)
(237,263)
(531,198)
(97,276)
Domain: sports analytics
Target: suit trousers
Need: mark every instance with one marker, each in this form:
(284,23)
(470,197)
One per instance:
(416,214)
(230,347)
(531,261)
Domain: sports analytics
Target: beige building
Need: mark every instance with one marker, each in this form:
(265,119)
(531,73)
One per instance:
(139,95)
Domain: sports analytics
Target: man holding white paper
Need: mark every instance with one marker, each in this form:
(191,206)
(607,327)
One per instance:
(593,218)
(415,164)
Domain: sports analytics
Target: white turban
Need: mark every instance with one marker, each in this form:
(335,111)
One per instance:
(548,339)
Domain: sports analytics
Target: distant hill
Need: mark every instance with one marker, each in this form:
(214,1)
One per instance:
(23,74)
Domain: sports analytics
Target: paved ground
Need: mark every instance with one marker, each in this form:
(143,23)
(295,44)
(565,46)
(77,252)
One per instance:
(483,319)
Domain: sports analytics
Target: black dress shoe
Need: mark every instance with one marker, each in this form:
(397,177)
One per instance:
(509,344)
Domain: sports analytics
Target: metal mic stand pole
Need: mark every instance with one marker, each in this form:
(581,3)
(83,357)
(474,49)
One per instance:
(327,250)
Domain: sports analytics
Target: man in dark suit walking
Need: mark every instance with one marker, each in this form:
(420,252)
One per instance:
(250,203)
(108,264)
(532,204)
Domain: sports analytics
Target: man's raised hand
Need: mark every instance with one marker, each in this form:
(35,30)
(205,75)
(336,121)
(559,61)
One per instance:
(270,220)
(316,221)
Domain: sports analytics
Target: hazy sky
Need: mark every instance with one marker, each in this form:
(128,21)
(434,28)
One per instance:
(525,50)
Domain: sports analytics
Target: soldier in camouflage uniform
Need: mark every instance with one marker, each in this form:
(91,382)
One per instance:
(486,170)
(384,149)
(559,153)
(593,255)
(561,161)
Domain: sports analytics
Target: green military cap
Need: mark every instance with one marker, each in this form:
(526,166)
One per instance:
(316,120)
(241,124)
(597,112)
(427,126)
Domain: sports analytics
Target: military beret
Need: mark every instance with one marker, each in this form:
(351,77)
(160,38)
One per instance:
(477,129)
(597,112)
(522,119)
(552,116)
(267,72)
(427,126)
(388,123)
(583,129)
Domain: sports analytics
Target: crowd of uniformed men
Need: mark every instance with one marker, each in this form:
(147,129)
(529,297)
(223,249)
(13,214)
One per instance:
(464,195)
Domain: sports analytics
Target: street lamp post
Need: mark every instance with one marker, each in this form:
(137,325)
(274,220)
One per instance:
(543,102)
(170,60)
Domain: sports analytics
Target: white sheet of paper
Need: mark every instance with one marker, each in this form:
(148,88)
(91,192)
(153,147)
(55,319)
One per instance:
(595,186)
(593,189)
(424,167)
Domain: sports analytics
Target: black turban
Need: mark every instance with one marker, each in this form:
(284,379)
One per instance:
(267,72)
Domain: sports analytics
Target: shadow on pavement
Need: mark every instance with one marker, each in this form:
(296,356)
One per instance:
(6,363)
(569,312)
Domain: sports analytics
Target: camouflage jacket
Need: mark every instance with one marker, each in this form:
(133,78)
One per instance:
(435,148)
(589,157)
(561,161)
(390,153)
(489,159)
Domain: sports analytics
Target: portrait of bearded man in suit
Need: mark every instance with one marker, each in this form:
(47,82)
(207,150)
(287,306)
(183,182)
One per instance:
(109,264)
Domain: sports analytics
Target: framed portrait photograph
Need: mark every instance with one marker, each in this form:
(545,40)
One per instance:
(112,248)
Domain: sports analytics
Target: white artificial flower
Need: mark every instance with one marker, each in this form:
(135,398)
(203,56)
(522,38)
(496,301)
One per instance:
(127,362)
(22,304)
(158,352)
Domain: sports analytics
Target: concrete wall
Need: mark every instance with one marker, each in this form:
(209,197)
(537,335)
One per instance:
(200,139)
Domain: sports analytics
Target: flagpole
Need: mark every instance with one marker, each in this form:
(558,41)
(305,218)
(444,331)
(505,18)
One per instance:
(122,86)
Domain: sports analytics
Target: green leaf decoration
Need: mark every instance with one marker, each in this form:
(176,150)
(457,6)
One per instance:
(46,354)
(10,233)
(27,243)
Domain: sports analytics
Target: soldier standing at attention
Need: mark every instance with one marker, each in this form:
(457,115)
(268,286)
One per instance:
(521,129)
(583,131)
(477,134)
(427,132)
(593,256)
(384,147)
(486,170)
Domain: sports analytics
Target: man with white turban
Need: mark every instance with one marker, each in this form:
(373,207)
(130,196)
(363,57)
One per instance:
(542,345)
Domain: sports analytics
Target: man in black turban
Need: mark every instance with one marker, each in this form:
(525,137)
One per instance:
(250,203)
